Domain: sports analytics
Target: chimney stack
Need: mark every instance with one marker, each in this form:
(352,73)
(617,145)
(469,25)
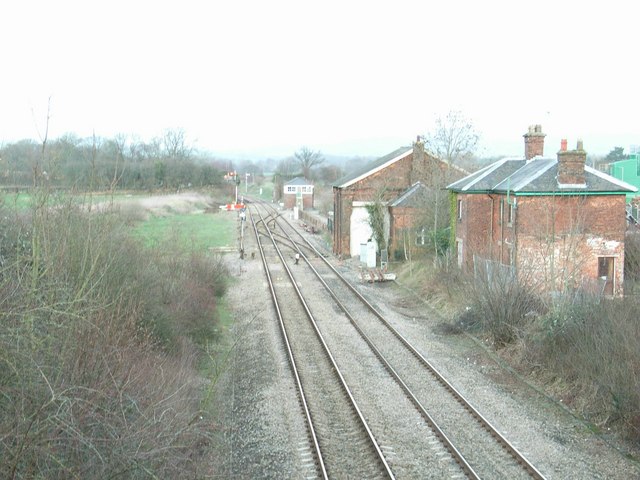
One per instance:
(533,142)
(418,149)
(418,162)
(571,165)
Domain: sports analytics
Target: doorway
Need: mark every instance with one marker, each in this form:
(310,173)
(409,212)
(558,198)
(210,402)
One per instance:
(605,272)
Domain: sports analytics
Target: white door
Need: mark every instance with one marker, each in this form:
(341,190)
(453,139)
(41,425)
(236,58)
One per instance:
(360,229)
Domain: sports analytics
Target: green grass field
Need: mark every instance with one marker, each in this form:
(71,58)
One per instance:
(264,192)
(199,231)
(23,201)
(19,201)
(196,230)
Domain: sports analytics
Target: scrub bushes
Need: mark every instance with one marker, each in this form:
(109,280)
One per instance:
(98,349)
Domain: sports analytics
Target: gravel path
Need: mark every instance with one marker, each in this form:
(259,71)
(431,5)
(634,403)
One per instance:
(262,433)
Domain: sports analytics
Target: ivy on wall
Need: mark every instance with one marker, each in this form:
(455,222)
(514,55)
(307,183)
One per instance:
(376,222)
(453,216)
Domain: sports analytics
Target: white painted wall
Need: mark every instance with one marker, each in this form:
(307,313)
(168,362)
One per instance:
(360,229)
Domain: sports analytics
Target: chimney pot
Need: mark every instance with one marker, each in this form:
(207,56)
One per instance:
(580,145)
(563,145)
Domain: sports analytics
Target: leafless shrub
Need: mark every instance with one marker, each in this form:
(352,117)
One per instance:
(87,389)
(501,303)
(632,262)
(595,347)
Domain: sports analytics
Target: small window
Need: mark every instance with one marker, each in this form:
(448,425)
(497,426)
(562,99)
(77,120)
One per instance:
(501,215)
(291,189)
(421,236)
(511,214)
(459,210)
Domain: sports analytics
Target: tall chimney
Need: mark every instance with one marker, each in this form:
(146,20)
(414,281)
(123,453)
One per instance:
(418,167)
(533,142)
(571,166)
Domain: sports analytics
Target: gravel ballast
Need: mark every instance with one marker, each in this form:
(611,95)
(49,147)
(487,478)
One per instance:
(262,432)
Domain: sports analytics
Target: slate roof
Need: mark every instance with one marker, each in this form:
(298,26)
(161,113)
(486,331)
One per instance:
(372,167)
(411,197)
(298,181)
(536,176)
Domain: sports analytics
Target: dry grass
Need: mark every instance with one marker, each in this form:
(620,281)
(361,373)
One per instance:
(584,351)
(595,349)
(98,356)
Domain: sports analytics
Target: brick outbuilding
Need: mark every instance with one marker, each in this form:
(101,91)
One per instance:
(384,180)
(558,222)
(298,192)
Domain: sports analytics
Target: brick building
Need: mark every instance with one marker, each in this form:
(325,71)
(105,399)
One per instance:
(407,234)
(559,223)
(298,192)
(385,180)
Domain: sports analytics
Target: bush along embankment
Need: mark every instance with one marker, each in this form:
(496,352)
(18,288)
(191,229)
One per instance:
(584,348)
(99,349)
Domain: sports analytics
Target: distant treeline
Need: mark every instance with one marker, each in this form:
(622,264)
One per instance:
(109,163)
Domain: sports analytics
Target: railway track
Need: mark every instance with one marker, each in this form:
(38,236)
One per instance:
(335,423)
(413,404)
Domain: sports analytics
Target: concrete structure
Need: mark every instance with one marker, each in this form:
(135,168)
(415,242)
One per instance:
(559,223)
(298,193)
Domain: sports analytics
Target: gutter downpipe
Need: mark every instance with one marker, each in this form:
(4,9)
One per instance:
(513,261)
(515,235)
(491,228)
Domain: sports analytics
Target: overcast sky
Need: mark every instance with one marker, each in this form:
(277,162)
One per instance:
(345,77)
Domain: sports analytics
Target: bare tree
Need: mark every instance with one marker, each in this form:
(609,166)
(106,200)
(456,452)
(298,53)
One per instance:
(307,159)
(174,144)
(453,139)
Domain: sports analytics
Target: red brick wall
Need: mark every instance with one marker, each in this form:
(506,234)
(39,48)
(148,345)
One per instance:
(474,228)
(402,221)
(554,241)
(289,200)
(390,182)
(560,238)
(342,208)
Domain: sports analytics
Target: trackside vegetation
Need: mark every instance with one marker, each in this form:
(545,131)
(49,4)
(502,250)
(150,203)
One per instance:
(583,350)
(101,340)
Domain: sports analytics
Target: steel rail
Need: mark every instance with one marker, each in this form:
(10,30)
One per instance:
(513,451)
(292,362)
(334,364)
(448,444)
